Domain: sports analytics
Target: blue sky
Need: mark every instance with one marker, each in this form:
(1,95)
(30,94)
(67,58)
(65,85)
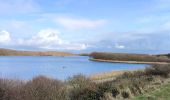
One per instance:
(133,26)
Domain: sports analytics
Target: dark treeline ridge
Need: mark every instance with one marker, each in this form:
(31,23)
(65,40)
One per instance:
(79,87)
(164,55)
(9,52)
(84,54)
(129,57)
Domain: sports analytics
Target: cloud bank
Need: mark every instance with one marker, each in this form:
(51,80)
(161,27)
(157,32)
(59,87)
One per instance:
(73,23)
(45,39)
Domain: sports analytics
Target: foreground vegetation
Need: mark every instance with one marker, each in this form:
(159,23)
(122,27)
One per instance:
(125,86)
(162,93)
(108,75)
(129,57)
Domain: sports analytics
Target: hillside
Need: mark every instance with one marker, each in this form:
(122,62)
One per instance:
(9,52)
(164,55)
(128,57)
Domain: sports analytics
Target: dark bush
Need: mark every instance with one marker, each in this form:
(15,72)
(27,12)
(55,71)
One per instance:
(42,88)
(79,81)
(115,91)
(10,89)
(104,87)
(85,94)
(162,70)
(125,94)
(82,88)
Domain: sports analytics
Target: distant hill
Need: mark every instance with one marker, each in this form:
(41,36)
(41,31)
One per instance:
(84,54)
(164,55)
(129,57)
(9,52)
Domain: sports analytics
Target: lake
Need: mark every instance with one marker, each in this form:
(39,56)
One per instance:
(26,67)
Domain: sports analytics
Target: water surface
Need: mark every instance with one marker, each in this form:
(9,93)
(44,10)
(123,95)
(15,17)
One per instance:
(26,67)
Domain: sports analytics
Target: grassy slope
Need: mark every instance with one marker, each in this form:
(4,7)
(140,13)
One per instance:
(163,93)
(164,55)
(131,58)
(8,52)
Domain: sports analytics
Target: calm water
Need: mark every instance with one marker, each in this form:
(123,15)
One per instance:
(26,67)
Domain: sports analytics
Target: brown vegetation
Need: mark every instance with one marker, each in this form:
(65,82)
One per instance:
(164,55)
(128,62)
(128,57)
(79,87)
(84,54)
(106,75)
(8,52)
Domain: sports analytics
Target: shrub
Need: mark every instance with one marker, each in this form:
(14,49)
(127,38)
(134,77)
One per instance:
(42,88)
(79,81)
(10,89)
(125,94)
(82,88)
(115,91)
(162,70)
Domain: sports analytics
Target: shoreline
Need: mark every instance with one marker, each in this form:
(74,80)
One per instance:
(128,62)
(107,75)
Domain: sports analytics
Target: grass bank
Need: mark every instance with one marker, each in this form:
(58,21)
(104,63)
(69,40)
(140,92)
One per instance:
(128,62)
(129,58)
(107,75)
(162,93)
(9,52)
(125,86)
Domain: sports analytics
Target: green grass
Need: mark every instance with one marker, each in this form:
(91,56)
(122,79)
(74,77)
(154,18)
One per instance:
(162,93)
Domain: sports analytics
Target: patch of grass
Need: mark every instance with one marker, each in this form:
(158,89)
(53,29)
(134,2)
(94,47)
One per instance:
(9,52)
(162,93)
(106,75)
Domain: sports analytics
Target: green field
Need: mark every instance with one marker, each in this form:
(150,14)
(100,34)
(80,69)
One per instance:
(162,93)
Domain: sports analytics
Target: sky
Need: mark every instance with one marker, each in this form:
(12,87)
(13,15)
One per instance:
(128,26)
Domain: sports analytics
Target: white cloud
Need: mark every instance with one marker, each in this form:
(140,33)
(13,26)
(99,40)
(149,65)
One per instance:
(118,46)
(49,39)
(72,23)
(4,37)
(45,37)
